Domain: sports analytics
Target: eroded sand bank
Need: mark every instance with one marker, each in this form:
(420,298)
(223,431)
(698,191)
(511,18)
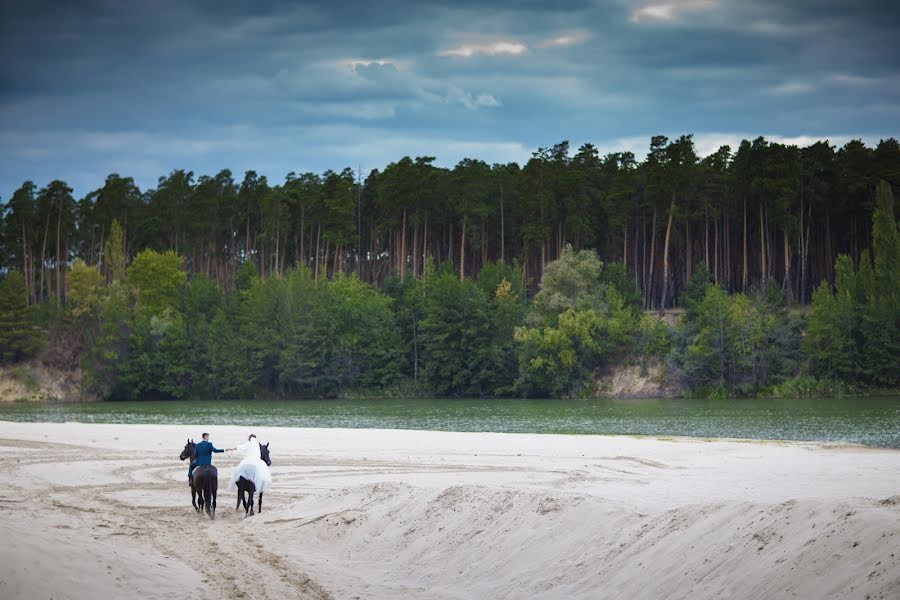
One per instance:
(95,511)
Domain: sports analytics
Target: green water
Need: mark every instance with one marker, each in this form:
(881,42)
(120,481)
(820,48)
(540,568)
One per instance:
(872,421)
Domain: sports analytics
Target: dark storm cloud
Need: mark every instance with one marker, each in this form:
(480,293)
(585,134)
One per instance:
(145,87)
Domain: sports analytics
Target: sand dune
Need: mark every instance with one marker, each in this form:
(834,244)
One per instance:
(96,511)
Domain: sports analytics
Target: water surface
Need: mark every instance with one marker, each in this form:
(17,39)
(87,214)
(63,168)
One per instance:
(872,421)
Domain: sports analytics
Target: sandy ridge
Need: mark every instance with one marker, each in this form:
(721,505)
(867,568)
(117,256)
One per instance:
(100,510)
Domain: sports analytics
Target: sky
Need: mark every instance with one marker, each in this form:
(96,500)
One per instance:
(141,88)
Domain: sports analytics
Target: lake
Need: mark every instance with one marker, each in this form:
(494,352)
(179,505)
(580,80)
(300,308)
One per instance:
(871,421)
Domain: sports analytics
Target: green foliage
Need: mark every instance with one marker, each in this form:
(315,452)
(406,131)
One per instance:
(560,360)
(257,327)
(157,278)
(293,337)
(853,334)
(507,311)
(703,343)
(695,291)
(572,282)
(157,358)
(586,313)
(493,274)
(367,343)
(455,337)
(616,275)
(654,338)
(808,386)
(18,338)
(246,274)
(201,301)
(115,258)
(84,290)
(738,344)
(341,334)
(106,347)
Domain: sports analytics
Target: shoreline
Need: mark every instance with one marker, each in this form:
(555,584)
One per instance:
(825,443)
(814,444)
(403,513)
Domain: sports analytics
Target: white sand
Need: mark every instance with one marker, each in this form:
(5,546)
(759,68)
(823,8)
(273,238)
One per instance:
(103,511)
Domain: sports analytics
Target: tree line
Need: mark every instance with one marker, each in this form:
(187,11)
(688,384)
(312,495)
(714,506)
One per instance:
(149,328)
(765,211)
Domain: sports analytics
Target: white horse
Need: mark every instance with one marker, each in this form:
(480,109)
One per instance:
(252,474)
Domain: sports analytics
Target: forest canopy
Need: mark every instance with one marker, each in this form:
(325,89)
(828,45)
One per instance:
(477,280)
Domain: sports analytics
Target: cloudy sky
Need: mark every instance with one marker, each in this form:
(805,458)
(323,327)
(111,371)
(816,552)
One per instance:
(141,88)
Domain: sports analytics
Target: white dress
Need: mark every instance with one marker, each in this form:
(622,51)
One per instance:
(252,468)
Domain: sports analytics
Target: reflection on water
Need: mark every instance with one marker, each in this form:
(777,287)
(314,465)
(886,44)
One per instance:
(873,421)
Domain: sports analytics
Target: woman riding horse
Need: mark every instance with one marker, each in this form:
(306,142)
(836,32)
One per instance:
(252,474)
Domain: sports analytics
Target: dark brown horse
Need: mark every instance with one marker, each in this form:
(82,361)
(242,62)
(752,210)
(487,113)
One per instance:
(189,452)
(248,487)
(204,483)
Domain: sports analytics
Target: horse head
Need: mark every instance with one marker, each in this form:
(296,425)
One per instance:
(264,454)
(188,451)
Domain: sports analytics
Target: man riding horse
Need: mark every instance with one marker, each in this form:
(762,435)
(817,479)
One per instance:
(203,451)
(203,477)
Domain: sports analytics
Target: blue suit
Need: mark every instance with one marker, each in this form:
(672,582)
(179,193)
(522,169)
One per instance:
(203,453)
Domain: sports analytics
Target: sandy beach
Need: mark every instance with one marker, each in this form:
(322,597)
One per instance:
(103,511)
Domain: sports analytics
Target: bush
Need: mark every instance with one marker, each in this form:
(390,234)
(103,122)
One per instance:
(736,345)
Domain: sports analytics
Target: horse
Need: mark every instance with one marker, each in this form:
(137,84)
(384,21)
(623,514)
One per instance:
(248,487)
(204,483)
(190,453)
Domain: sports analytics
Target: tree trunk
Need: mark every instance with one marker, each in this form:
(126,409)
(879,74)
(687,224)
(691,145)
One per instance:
(502,228)
(28,280)
(403,246)
(300,256)
(484,246)
(828,256)
(58,253)
(318,235)
(804,265)
(706,239)
(625,244)
(786,284)
(744,274)
(634,252)
(462,249)
(716,251)
(44,254)
(762,246)
(415,252)
(450,237)
(649,290)
(689,254)
(424,245)
(246,240)
(665,283)
(644,255)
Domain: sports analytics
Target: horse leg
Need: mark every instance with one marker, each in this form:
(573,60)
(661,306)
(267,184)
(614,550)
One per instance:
(211,498)
(240,493)
(259,509)
(199,506)
(194,497)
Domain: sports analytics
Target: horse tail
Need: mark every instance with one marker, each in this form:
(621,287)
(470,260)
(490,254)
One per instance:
(212,487)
